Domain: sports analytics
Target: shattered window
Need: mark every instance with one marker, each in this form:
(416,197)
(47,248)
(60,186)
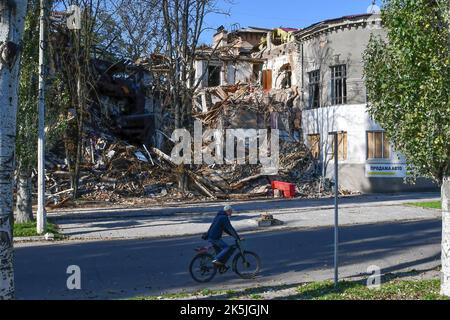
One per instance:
(213,76)
(339,84)
(314,89)
(257,69)
(286,72)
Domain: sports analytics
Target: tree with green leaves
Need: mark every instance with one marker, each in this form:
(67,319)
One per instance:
(408,84)
(26,140)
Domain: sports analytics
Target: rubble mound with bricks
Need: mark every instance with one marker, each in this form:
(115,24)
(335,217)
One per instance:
(117,171)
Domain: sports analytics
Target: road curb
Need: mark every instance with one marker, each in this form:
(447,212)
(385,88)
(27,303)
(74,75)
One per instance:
(44,238)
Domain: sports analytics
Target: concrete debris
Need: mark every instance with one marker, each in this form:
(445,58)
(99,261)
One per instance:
(246,81)
(122,171)
(117,171)
(267,220)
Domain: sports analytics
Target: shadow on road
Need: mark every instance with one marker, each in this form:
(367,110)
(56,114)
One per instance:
(109,224)
(130,268)
(211,208)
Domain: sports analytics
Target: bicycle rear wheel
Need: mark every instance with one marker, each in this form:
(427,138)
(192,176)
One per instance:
(247,265)
(202,269)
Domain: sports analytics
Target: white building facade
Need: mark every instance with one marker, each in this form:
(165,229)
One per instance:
(334,100)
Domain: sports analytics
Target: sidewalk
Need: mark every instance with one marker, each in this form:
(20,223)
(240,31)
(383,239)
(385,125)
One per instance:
(172,209)
(195,219)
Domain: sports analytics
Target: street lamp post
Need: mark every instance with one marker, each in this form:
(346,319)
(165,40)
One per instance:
(336,208)
(41,214)
(73,23)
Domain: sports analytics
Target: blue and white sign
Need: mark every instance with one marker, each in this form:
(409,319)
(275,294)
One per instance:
(390,170)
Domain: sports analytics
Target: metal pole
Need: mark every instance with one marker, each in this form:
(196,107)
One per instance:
(41,214)
(336,209)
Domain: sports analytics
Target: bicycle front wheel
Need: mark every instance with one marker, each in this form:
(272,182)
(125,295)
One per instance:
(202,269)
(247,265)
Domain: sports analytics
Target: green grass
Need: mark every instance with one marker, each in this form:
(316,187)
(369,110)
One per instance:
(169,296)
(206,292)
(427,205)
(29,229)
(185,295)
(392,290)
(230,292)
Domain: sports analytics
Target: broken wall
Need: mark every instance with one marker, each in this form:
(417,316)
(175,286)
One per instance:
(280,60)
(201,74)
(232,71)
(243,72)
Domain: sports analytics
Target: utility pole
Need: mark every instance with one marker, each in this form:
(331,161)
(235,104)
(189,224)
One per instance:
(336,209)
(41,214)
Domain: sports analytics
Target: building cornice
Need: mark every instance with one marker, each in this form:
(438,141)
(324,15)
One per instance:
(329,26)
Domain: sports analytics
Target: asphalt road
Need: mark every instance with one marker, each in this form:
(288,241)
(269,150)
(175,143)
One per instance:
(128,268)
(193,220)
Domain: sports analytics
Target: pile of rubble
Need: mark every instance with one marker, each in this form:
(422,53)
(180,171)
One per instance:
(116,171)
(247,106)
(112,170)
(228,102)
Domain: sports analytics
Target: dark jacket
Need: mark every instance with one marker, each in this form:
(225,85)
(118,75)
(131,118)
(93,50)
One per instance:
(220,225)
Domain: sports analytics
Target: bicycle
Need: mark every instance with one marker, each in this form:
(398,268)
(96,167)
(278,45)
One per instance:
(202,269)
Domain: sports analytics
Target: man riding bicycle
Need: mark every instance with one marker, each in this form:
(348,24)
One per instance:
(221,224)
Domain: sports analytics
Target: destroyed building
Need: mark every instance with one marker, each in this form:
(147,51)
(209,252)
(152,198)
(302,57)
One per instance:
(281,57)
(234,94)
(126,140)
(124,113)
(310,84)
(249,55)
(229,60)
(126,93)
(129,99)
(307,83)
(244,57)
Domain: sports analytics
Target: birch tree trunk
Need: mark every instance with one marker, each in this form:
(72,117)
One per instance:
(445,285)
(24,209)
(12,21)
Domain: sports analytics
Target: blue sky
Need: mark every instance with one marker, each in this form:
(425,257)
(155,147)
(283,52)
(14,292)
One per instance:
(281,13)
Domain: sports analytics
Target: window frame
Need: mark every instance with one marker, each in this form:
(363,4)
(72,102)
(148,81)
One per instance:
(339,84)
(314,89)
(385,146)
(216,70)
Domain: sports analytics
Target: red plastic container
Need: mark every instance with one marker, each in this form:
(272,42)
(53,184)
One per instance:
(287,188)
(289,194)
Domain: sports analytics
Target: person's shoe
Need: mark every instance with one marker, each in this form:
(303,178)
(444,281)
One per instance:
(224,269)
(218,264)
